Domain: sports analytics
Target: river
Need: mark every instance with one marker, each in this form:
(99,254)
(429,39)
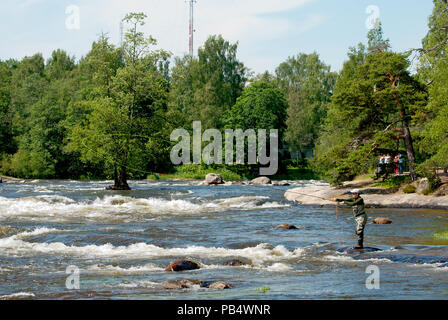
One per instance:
(121,243)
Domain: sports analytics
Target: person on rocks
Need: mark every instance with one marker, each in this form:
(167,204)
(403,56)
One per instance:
(359,213)
(396,160)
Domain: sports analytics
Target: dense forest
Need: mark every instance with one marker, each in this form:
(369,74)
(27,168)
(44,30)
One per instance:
(110,114)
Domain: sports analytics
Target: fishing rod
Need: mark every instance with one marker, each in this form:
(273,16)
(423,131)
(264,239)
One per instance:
(341,239)
(306,195)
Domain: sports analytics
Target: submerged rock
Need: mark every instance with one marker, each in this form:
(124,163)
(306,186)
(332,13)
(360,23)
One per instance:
(213,179)
(351,250)
(182,265)
(120,188)
(382,221)
(6,230)
(281,184)
(220,285)
(179,284)
(235,263)
(286,227)
(261,180)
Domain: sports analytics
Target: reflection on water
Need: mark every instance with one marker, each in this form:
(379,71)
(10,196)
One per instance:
(122,242)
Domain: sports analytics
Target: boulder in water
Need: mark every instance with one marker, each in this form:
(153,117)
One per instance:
(6,231)
(234,263)
(382,221)
(281,184)
(261,180)
(286,227)
(213,179)
(220,285)
(120,188)
(182,265)
(179,284)
(423,186)
(351,250)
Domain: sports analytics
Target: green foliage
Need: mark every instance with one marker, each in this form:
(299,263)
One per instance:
(198,172)
(205,87)
(261,106)
(434,70)
(111,113)
(118,131)
(308,84)
(410,189)
(376,41)
(370,103)
(393,182)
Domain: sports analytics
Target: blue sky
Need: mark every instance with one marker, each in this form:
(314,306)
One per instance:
(267,31)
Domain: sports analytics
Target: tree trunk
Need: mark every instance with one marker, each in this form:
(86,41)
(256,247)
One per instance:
(395,83)
(115,176)
(409,149)
(120,179)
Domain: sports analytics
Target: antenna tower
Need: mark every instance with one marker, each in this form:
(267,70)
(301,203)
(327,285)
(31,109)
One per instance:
(191,31)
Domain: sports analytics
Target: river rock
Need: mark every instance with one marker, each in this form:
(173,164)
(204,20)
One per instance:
(423,185)
(281,184)
(179,284)
(120,188)
(238,183)
(234,263)
(213,179)
(182,265)
(286,227)
(220,285)
(6,231)
(382,221)
(261,180)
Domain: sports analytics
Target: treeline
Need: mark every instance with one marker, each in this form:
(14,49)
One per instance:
(111,113)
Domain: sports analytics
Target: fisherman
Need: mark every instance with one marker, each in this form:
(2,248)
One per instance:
(359,212)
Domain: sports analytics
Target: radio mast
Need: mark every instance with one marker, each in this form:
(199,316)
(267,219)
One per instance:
(191,32)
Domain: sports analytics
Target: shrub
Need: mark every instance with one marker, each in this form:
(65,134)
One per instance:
(410,189)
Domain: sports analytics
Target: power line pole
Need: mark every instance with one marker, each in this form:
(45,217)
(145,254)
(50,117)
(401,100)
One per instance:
(191,37)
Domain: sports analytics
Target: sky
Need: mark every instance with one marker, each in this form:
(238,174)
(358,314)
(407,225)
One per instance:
(267,31)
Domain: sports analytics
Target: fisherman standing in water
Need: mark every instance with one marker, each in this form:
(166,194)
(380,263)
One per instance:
(360,214)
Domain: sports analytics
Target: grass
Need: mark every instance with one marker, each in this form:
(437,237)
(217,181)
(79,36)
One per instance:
(393,182)
(362,177)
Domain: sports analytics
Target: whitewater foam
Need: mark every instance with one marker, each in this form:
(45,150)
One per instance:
(259,255)
(53,208)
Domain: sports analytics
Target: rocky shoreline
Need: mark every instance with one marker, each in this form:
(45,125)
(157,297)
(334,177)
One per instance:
(373,197)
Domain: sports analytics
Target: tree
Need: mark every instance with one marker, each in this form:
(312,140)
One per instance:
(6,135)
(207,86)
(261,106)
(374,107)
(434,71)
(40,145)
(376,41)
(308,84)
(126,115)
